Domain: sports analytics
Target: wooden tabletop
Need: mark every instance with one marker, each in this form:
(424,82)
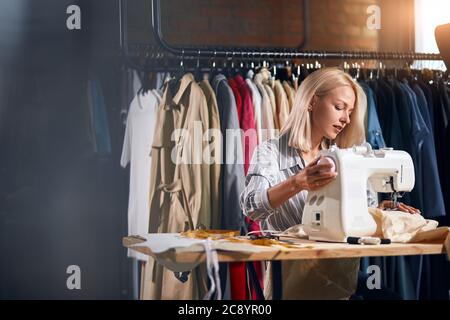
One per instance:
(311,250)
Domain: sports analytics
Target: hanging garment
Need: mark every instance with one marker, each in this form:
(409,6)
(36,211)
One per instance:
(435,277)
(374,133)
(215,152)
(433,202)
(101,139)
(405,274)
(395,275)
(160,79)
(232,171)
(435,282)
(234,86)
(232,180)
(247,123)
(387,113)
(290,92)
(446,157)
(282,103)
(441,123)
(273,103)
(250,141)
(178,191)
(426,89)
(257,101)
(268,87)
(136,151)
(267,116)
(374,136)
(130,87)
(413,127)
(441,106)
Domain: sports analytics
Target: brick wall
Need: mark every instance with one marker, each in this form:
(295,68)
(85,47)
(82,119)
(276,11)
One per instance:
(333,24)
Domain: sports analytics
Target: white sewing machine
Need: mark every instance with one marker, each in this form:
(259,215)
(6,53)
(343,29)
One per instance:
(339,210)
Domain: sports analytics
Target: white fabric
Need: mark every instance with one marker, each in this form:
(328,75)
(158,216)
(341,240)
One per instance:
(400,226)
(136,151)
(397,226)
(137,84)
(161,79)
(257,101)
(162,242)
(212,266)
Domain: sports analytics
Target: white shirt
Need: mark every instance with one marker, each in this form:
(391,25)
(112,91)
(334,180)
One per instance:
(136,151)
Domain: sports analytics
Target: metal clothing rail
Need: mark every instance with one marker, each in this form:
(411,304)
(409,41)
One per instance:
(219,52)
(275,53)
(260,52)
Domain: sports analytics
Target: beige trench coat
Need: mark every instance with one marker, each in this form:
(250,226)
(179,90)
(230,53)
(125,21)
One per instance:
(180,196)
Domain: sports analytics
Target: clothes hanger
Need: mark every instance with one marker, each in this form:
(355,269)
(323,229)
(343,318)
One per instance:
(352,71)
(147,75)
(179,74)
(250,64)
(362,72)
(227,66)
(214,71)
(239,70)
(378,69)
(198,76)
(233,65)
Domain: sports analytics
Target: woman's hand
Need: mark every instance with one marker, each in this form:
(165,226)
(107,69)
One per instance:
(388,204)
(314,176)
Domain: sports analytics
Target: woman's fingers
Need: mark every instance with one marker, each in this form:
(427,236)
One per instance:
(388,204)
(405,208)
(320,167)
(323,175)
(385,204)
(319,183)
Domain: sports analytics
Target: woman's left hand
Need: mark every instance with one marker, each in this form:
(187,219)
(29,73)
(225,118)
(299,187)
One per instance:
(388,204)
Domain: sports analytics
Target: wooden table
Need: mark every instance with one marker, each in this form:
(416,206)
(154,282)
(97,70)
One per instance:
(309,250)
(312,250)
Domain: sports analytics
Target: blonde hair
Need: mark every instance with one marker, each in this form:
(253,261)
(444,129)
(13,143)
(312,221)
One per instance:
(319,83)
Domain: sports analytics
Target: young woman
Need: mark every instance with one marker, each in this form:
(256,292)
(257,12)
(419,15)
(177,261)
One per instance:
(328,107)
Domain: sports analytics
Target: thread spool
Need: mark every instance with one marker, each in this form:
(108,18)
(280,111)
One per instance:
(328,160)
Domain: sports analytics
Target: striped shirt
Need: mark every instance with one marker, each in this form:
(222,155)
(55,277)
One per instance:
(273,162)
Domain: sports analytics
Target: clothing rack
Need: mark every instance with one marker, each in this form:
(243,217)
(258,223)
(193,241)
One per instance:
(250,53)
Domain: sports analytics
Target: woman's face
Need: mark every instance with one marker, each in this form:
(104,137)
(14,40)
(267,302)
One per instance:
(331,113)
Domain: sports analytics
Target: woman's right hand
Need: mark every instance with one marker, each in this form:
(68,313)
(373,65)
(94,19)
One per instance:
(315,176)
